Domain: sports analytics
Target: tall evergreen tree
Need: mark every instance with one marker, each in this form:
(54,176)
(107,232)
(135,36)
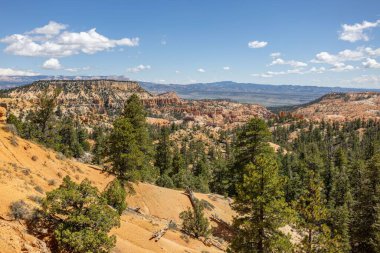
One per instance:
(251,141)
(164,158)
(365,228)
(262,209)
(312,218)
(129,147)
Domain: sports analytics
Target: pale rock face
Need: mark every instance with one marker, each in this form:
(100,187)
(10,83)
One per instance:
(98,102)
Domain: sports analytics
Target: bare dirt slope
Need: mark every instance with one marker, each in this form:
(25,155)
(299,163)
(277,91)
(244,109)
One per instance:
(28,170)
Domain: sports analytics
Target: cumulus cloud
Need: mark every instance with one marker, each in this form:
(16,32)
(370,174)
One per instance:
(340,67)
(15,72)
(317,70)
(53,40)
(356,31)
(257,44)
(138,68)
(296,64)
(226,68)
(52,28)
(52,63)
(364,80)
(201,70)
(371,64)
(346,56)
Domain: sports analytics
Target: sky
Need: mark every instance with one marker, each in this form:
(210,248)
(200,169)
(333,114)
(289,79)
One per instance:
(323,43)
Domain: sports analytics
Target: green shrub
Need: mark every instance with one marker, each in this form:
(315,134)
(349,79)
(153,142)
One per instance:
(82,218)
(115,195)
(194,222)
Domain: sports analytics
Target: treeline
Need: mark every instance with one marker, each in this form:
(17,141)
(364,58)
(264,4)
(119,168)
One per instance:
(48,126)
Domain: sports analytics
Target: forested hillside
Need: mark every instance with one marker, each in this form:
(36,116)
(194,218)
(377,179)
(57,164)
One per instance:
(319,192)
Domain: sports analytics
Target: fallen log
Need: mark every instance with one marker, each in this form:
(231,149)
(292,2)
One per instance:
(191,196)
(135,209)
(216,218)
(160,233)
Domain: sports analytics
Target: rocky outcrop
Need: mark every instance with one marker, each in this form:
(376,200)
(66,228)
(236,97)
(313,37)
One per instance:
(91,101)
(168,98)
(342,106)
(95,102)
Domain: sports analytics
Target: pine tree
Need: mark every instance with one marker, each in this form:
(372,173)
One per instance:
(251,141)
(340,202)
(135,113)
(44,115)
(194,221)
(262,209)
(163,153)
(129,148)
(123,153)
(365,228)
(99,147)
(312,218)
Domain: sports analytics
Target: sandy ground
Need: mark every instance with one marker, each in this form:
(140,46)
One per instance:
(27,170)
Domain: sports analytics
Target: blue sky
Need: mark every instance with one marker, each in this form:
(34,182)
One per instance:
(324,43)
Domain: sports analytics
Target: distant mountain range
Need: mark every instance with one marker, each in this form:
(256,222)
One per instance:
(264,94)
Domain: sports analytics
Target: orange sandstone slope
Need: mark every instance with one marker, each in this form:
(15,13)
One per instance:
(343,106)
(28,170)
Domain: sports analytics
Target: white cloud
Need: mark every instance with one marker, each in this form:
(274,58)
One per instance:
(177,71)
(278,73)
(226,68)
(371,64)
(201,70)
(275,55)
(52,28)
(296,64)
(76,69)
(356,31)
(58,42)
(364,80)
(317,70)
(15,72)
(257,44)
(340,67)
(138,68)
(51,63)
(346,55)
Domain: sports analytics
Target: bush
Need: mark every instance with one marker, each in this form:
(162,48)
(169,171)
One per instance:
(115,195)
(194,223)
(81,218)
(20,210)
(165,181)
(36,199)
